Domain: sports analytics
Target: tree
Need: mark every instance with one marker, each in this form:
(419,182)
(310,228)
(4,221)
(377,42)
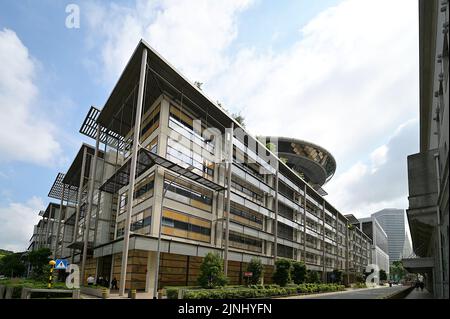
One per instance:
(282,274)
(383,275)
(238,117)
(298,272)
(211,272)
(12,265)
(337,274)
(38,260)
(312,277)
(397,271)
(256,267)
(198,84)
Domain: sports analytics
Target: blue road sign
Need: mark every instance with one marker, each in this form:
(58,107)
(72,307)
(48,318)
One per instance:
(61,264)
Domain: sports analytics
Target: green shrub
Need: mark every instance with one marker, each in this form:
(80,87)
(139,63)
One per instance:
(211,272)
(298,272)
(312,277)
(282,274)
(172,293)
(256,267)
(337,274)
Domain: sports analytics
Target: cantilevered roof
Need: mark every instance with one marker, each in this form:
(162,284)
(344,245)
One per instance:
(117,113)
(147,159)
(57,189)
(48,210)
(89,128)
(317,164)
(72,177)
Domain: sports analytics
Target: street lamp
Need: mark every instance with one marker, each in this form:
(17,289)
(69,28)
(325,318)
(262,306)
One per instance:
(158,250)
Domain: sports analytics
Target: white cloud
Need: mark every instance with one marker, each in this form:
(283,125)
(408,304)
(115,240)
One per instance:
(363,190)
(191,35)
(378,157)
(349,79)
(16,223)
(24,135)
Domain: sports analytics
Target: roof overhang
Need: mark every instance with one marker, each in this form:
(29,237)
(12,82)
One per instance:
(73,174)
(48,211)
(56,191)
(162,78)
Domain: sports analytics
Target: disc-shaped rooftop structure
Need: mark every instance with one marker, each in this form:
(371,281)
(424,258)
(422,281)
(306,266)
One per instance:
(315,163)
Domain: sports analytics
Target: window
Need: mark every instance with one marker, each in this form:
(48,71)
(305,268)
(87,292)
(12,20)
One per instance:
(188,193)
(245,216)
(186,226)
(285,211)
(253,195)
(180,154)
(153,145)
(182,123)
(245,242)
(150,123)
(143,190)
(285,231)
(139,223)
(285,251)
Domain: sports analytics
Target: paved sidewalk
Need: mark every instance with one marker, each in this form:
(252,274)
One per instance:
(418,294)
(363,293)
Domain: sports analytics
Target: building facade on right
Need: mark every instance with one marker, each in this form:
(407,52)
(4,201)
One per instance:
(394,223)
(428,170)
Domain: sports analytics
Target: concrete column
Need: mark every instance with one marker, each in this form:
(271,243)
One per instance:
(79,195)
(228,202)
(134,155)
(275,230)
(157,208)
(47,228)
(150,275)
(324,264)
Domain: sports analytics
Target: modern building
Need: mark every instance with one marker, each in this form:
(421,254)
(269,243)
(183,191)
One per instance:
(395,223)
(312,162)
(173,177)
(428,170)
(380,242)
(44,233)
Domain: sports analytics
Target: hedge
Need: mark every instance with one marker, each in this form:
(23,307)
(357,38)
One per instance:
(19,284)
(254,291)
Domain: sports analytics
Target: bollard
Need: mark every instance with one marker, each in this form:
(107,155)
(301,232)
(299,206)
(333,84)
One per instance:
(132,294)
(52,264)
(105,293)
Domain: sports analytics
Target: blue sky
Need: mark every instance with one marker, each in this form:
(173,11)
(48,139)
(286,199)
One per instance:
(345,73)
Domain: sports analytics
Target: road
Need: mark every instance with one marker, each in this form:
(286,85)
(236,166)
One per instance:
(371,293)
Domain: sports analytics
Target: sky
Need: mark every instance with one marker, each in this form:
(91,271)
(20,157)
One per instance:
(339,73)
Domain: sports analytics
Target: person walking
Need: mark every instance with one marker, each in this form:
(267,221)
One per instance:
(90,280)
(114,283)
(422,285)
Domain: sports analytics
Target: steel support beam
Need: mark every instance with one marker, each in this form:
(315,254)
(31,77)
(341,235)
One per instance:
(134,153)
(228,207)
(87,218)
(79,196)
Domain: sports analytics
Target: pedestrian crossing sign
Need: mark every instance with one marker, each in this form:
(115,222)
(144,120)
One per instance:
(61,264)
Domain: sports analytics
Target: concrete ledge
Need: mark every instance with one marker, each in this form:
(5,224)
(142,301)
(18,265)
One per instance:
(399,294)
(2,291)
(26,292)
(96,292)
